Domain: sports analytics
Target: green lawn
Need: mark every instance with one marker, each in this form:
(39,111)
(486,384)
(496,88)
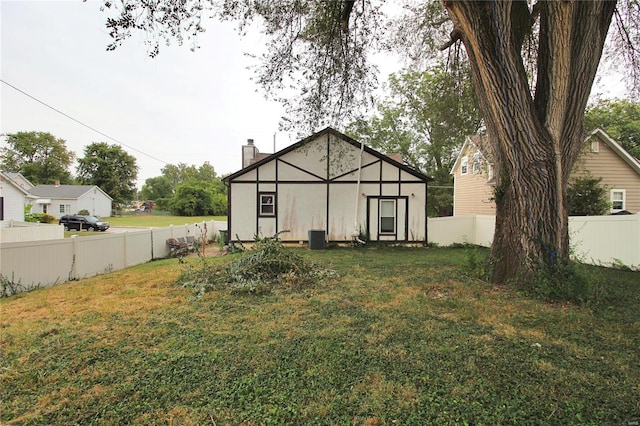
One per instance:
(158,221)
(403,337)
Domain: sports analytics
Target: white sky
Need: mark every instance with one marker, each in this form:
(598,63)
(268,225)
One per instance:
(180,107)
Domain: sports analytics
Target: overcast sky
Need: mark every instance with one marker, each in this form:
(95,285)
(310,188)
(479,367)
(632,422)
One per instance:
(180,107)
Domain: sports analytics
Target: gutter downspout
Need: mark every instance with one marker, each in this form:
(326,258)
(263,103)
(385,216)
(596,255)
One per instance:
(356,232)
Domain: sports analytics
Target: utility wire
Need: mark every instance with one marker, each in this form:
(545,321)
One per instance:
(83,124)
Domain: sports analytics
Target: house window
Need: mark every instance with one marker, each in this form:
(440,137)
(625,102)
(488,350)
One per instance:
(595,145)
(464,165)
(267,204)
(387,216)
(477,166)
(65,208)
(490,172)
(1,208)
(617,200)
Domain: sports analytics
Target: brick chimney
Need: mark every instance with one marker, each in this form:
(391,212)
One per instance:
(56,183)
(249,152)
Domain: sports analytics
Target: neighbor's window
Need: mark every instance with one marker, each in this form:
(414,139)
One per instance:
(477,166)
(595,145)
(387,216)
(617,199)
(65,208)
(1,208)
(490,172)
(464,165)
(267,204)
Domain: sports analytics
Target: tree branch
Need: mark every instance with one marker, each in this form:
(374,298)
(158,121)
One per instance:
(346,12)
(453,38)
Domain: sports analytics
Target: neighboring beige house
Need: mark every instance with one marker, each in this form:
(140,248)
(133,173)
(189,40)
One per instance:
(327,182)
(473,180)
(602,158)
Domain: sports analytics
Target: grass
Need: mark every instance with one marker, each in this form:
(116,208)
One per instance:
(405,336)
(158,221)
(146,221)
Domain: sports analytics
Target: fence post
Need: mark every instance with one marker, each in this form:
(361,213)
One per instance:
(74,260)
(126,237)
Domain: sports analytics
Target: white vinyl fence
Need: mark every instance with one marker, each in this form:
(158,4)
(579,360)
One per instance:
(30,264)
(27,231)
(598,240)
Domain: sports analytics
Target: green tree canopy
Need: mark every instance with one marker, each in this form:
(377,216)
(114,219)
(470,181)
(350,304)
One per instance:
(156,188)
(426,117)
(620,118)
(194,198)
(38,156)
(111,168)
(180,186)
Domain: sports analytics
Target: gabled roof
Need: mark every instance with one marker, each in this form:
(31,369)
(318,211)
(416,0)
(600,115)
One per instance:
(474,141)
(8,178)
(64,192)
(617,148)
(329,131)
(15,175)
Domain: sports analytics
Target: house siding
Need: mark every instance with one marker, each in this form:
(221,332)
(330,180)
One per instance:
(473,195)
(12,204)
(614,171)
(90,198)
(316,186)
(472,192)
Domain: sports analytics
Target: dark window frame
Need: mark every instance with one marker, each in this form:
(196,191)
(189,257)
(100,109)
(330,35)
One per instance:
(394,203)
(262,205)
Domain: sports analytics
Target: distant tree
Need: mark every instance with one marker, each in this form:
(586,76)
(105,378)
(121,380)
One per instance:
(181,180)
(620,118)
(586,197)
(111,168)
(426,117)
(38,156)
(192,199)
(156,188)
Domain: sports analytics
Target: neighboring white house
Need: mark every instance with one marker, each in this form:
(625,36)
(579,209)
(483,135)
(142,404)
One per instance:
(13,199)
(58,200)
(327,182)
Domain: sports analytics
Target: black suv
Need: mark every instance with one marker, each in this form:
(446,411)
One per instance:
(80,222)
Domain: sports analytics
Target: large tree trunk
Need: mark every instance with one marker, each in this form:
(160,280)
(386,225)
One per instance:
(534,141)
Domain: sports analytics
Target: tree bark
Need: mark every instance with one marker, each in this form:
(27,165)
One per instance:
(535,140)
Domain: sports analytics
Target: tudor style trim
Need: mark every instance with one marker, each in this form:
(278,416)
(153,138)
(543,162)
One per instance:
(283,176)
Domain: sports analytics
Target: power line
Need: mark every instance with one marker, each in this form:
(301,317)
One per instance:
(83,124)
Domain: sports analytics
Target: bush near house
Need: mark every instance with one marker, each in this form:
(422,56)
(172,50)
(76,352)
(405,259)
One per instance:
(39,218)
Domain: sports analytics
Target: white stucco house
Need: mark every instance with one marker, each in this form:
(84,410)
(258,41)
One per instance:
(13,198)
(58,200)
(327,182)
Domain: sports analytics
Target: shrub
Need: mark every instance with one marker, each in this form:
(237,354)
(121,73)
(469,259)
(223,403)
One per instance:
(84,212)
(267,265)
(33,217)
(47,218)
(585,197)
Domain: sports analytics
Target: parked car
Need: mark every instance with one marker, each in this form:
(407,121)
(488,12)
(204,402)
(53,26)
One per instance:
(79,222)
